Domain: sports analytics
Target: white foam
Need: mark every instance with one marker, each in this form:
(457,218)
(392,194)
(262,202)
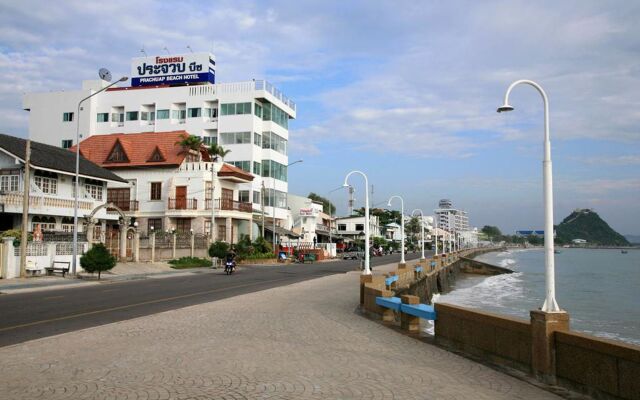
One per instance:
(507,262)
(494,291)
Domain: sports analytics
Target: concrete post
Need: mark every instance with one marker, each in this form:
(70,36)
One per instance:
(229,230)
(173,246)
(388,315)
(123,242)
(89,233)
(153,246)
(193,244)
(8,258)
(409,322)
(543,325)
(376,280)
(136,246)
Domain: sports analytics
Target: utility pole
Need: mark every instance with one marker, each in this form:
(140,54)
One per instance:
(351,200)
(26,182)
(213,202)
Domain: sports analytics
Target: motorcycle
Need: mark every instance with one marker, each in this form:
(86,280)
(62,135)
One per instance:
(229,267)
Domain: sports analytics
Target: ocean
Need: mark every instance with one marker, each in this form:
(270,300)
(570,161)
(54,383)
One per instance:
(600,289)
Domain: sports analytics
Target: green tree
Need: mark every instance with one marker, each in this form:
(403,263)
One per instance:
(327,206)
(190,142)
(491,231)
(412,228)
(216,152)
(261,245)
(218,249)
(379,241)
(97,259)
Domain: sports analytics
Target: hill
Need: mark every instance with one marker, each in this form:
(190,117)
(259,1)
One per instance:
(587,224)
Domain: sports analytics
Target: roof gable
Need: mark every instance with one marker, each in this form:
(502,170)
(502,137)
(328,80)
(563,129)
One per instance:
(117,154)
(156,156)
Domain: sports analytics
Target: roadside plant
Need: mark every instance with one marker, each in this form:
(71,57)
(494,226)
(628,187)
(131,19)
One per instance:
(261,245)
(218,249)
(97,259)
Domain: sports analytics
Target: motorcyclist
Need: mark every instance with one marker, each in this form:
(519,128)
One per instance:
(231,256)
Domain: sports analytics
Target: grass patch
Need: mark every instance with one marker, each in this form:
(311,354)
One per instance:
(190,262)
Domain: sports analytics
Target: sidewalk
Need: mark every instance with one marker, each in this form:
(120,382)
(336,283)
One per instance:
(301,341)
(121,272)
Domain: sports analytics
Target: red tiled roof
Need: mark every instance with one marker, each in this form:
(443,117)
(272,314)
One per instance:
(140,147)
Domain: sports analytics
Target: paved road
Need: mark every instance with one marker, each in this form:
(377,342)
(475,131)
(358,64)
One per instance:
(300,341)
(33,315)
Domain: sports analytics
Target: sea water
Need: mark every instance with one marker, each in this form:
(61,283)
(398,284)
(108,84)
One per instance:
(600,289)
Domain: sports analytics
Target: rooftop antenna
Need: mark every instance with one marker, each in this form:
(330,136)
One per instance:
(190,49)
(167,50)
(143,51)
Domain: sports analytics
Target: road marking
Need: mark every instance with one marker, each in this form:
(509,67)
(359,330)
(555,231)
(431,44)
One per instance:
(53,297)
(135,305)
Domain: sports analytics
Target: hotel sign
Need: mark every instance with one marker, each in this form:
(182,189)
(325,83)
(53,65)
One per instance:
(308,212)
(172,70)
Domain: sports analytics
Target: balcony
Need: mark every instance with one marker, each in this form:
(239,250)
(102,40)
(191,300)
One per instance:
(324,228)
(182,204)
(13,200)
(126,206)
(230,205)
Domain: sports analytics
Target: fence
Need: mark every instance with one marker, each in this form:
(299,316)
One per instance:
(39,256)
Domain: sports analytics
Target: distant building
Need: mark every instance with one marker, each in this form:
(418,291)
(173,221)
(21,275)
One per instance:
(51,188)
(392,232)
(353,227)
(451,219)
(579,241)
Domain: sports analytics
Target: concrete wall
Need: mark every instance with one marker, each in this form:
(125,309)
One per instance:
(500,339)
(599,367)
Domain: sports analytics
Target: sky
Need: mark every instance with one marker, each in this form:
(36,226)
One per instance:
(405,91)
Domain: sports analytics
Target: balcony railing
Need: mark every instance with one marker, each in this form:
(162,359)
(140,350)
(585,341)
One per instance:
(14,199)
(131,205)
(229,205)
(183,203)
(321,227)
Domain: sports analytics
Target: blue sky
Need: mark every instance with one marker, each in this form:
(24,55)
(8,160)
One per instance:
(405,91)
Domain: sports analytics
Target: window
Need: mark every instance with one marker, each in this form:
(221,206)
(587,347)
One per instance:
(46,223)
(271,112)
(359,227)
(243,196)
(93,188)
(195,112)
(162,114)
(342,227)
(117,117)
(103,117)
(156,191)
(47,182)
(258,110)
(274,169)
(256,197)
(9,181)
(121,197)
(178,114)
(183,224)
(132,115)
(148,116)
(257,168)
(155,223)
(211,112)
(235,137)
(67,117)
(67,224)
(222,233)
(67,143)
(235,109)
(275,142)
(257,139)
(244,165)
(117,154)
(275,198)
(156,156)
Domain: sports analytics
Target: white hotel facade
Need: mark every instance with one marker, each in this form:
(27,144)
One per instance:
(249,118)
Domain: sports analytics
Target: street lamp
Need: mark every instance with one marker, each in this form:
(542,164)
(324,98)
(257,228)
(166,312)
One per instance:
(367,269)
(105,75)
(550,304)
(422,226)
(401,226)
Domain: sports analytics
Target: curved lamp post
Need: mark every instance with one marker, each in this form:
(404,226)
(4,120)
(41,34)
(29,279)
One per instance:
(421,226)
(367,269)
(77,175)
(402,225)
(550,304)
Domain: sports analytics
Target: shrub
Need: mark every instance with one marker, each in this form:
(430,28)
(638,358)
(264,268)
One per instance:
(260,245)
(259,256)
(190,262)
(218,249)
(97,259)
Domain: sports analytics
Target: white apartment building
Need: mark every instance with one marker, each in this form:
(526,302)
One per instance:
(450,218)
(51,188)
(307,217)
(168,187)
(353,227)
(179,93)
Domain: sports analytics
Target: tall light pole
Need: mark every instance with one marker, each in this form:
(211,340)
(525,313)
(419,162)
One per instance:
(421,226)
(435,229)
(105,75)
(550,304)
(401,225)
(367,269)
(331,217)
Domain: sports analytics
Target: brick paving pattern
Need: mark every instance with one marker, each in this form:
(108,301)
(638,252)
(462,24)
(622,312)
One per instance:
(302,341)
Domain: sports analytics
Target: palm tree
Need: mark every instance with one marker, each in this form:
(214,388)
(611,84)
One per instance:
(216,152)
(190,142)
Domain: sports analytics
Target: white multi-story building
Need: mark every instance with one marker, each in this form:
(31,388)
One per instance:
(51,188)
(178,93)
(451,219)
(353,227)
(307,218)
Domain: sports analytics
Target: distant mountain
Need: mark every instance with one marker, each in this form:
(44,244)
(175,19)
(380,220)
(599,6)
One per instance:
(633,238)
(586,224)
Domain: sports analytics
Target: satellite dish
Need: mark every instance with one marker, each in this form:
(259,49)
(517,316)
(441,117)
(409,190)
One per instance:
(104,74)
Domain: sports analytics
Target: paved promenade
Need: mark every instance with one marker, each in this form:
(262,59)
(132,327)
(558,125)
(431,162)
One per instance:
(302,341)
